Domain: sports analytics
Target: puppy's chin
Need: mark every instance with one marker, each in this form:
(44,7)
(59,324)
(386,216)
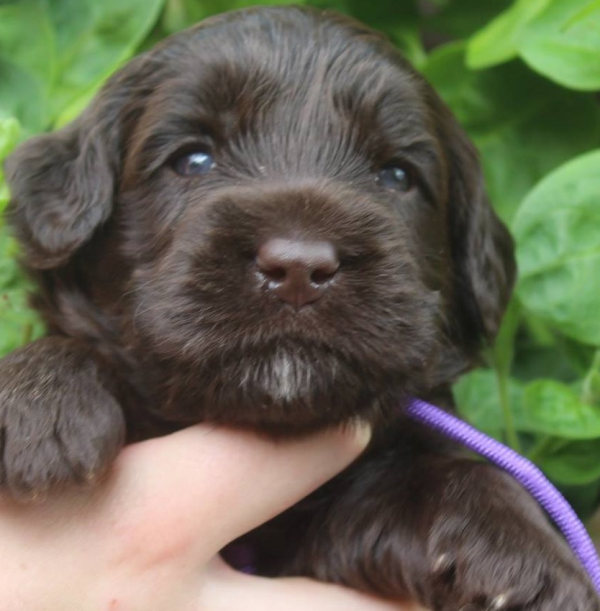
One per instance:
(283,391)
(283,378)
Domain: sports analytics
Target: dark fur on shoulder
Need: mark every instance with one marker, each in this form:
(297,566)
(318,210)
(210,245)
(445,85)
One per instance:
(162,311)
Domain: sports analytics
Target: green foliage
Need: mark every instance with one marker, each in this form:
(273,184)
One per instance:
(521,77)
(558,233)
(17,322)
(54,54)
(557,38)
(499,40)
(523,125)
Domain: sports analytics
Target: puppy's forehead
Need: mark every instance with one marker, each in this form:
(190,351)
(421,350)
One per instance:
(290,56)
(293,75)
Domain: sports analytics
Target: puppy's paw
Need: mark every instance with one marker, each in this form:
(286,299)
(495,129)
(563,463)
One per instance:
(59,424)
(454,534)
(502,562)
(490,548)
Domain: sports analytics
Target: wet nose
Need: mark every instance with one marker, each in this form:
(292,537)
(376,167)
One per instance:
(298,272)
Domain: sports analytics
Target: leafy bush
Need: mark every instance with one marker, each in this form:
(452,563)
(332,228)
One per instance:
(521,78)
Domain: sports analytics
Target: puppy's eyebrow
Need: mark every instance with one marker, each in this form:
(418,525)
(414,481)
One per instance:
(161,141)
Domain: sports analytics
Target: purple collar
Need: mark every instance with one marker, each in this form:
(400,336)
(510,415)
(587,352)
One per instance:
(524,471)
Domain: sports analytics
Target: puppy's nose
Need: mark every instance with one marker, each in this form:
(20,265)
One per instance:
(298,272)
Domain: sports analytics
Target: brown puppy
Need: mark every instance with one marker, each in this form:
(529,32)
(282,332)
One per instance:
(270,221)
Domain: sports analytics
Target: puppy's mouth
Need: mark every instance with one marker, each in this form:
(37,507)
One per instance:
(292,372)
(283,387)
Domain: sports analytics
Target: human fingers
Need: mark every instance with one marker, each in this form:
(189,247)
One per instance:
(211,485)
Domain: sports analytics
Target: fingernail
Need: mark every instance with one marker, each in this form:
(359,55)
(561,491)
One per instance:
(364,432)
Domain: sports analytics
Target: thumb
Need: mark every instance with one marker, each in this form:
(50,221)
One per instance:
(230,480)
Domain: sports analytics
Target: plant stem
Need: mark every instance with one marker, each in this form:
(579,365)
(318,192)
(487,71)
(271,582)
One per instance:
(501,359)
(509,423)
(591,383)
(544,444)
(27,334)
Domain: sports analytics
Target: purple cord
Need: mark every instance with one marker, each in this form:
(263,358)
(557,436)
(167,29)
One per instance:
(523,471)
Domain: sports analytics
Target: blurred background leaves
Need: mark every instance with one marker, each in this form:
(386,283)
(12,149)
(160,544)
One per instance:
(523,78)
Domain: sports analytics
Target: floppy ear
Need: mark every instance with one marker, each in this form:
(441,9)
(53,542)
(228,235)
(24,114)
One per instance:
(62,188)
(482,249)
(62,184)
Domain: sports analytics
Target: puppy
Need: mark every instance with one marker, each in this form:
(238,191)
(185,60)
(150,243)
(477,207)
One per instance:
(270,221)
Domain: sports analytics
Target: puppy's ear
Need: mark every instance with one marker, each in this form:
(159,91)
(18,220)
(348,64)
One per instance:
(62,188)
(482,249)
(62,184)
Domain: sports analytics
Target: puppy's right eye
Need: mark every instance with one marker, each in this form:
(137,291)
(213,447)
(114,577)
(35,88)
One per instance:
(396,177)
(196,163)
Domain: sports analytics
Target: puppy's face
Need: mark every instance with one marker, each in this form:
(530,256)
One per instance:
(286,222)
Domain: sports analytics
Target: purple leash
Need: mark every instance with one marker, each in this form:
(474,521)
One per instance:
(524,471)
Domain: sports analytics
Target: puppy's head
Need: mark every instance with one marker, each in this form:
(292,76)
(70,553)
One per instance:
(299,225)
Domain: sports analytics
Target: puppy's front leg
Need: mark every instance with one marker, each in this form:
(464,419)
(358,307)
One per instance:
(60,423)
(452,533)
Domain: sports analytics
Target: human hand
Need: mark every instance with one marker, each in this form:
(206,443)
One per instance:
(147,538)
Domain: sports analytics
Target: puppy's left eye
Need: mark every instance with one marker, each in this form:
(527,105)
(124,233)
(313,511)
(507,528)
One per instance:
(193,164)
(395,177)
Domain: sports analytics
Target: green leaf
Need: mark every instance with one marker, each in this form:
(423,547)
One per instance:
(542,352)
(399,20)
(558,38)
(523,126)
(558,249)
(71,21)
(478,402)
(53,53)
(590,387)
(462,18)
(336,5)
(574,463)
(9,133)
(10,276)
(499,40)
(543,407)
(563,43)
(27,38)
(21,96)
(94,41)
(553,408)
(583,499)
(4,195)
(18,322)
(181,14)
(27,62)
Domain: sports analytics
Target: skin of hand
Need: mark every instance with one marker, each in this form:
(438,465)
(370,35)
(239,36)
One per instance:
(146,538)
